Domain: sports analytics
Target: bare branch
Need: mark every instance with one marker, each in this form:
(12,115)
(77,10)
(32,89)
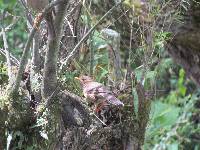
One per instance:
(50,65)
(12,58)
(15,19)
(27,47)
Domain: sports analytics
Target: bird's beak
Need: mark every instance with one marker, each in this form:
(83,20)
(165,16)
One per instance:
(77,78)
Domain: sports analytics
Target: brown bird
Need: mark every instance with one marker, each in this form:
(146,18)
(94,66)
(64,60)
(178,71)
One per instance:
(97,93)
(38,6)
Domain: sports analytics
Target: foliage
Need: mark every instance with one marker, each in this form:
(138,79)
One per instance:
(14,16)
(177,132)
(174,118)
(170,124)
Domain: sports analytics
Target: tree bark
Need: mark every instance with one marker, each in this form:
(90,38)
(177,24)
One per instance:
(49,82)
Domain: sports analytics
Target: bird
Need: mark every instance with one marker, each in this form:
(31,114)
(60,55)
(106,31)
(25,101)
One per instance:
(38,6)
(97,93)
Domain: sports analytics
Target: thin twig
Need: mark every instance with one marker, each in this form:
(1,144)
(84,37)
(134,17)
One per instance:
(86,35)
(23,61)
(99,119)
(12,58)
(15,19)
(8,60)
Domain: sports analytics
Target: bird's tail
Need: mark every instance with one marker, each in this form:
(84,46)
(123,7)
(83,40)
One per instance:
(113,100)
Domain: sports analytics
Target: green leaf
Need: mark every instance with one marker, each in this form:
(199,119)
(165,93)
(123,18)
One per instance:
(7,4)
(181,77)
(182,90)
(172,98)
(173,146)
(164,114)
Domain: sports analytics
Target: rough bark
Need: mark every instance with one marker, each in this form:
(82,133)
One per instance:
(36,57)
(49,82)
(86,132)
(74,112)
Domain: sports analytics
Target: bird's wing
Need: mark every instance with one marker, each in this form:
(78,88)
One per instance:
(90,91)
(91,86)
(98,92)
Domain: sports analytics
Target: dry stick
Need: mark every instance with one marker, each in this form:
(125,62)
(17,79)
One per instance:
(99,119)
(13,59)
(5,43)
(130,44)
(27,47)
(23,62)
(86,35)
(10,25)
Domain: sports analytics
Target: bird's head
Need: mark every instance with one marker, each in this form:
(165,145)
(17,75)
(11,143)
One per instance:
(84,79)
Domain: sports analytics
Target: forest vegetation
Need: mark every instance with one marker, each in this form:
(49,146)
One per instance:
(99,74)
